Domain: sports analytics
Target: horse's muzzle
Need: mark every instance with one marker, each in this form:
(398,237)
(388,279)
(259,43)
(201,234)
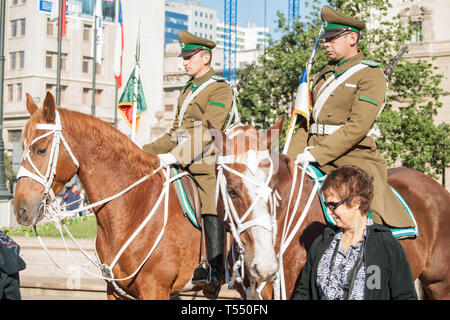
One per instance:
(263,272)
(28,211)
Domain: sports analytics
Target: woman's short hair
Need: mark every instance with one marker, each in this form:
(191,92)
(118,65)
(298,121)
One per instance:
(350,182)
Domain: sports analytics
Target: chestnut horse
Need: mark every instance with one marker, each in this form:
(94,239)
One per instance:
(428,254)
(109,162)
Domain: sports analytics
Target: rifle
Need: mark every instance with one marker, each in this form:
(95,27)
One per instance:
(244,77)
(234,113)
(394,61)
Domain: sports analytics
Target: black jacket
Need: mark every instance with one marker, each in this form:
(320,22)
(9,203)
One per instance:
(10,265)
(388,274)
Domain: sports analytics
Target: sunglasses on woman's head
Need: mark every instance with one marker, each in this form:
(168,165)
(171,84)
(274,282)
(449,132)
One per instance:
(334,205)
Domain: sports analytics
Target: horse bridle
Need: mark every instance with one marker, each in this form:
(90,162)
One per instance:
(239,224)
(46,179)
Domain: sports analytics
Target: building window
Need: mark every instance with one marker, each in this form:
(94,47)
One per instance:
(18,27)
(10,92)
(22,26)
(22,59)
(19,92)
(85,66)
(12,59)
(416,35)
(87,32)
(85,96)
(14,135)
(48,60)
(98,96)
(52,88)
(14,28)
(49,27)
(98,68)
(168,108)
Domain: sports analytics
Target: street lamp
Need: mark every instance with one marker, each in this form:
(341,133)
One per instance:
(4,193)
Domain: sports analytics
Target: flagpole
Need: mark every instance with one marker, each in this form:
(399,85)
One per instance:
(58,63)
(291,128)
(115,107)
(4,193)
(136,85)
(94,66)
(135,103)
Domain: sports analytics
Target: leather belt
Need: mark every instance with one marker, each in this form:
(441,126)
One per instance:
(327,129)
(323,129)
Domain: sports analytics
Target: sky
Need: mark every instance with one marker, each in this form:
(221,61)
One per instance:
(252,11)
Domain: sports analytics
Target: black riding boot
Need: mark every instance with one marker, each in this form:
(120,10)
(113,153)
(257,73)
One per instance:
(215,250)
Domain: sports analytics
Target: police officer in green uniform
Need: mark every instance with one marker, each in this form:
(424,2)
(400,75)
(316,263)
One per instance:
(347,95)
(205,97)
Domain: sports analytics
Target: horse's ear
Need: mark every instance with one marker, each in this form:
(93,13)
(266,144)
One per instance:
(274,132)
(289,163)
(218,137)
(49,107)
(31,106)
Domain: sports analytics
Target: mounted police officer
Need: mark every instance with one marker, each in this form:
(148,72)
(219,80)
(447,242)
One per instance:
(204,97)
(347,95)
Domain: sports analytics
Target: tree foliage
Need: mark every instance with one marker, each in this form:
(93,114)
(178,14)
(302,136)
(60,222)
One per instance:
(409,135)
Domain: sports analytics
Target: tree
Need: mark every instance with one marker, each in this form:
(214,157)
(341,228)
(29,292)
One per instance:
(409,135)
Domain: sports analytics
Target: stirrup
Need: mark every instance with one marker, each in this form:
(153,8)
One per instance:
(202,274)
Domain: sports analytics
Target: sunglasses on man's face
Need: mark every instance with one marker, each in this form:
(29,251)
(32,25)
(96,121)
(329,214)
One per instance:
(334,205)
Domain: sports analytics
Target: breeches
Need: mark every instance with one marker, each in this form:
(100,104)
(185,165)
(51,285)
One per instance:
(205,176)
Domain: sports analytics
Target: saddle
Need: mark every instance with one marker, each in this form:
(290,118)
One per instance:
(188,196)
(399,232)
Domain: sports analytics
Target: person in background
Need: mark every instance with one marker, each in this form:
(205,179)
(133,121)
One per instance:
(72,198)
(358,259)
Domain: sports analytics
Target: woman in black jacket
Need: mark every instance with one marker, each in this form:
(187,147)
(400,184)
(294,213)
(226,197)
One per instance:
(357,259)
(10,265)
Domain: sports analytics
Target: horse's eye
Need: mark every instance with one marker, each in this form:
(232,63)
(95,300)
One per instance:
(41,152)
(232,192)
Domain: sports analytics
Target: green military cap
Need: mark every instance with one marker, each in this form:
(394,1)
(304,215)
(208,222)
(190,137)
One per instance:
(338,23)
(191,44)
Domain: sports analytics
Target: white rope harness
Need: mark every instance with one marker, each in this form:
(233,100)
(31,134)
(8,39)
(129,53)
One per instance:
(240,224)
(52,210)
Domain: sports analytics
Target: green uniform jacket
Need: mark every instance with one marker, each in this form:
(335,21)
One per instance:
(213,103)
(355,105)
(381,249)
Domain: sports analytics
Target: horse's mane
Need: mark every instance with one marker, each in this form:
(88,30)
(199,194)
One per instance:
(92,127)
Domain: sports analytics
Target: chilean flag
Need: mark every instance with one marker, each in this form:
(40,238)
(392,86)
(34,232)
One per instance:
(118,54)
(55,14)
(302,105)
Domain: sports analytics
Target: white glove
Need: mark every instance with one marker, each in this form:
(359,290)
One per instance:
(305,158)
(166,159)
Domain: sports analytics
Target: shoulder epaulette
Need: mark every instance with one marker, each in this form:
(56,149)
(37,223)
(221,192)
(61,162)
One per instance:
(218,78)
(370,63)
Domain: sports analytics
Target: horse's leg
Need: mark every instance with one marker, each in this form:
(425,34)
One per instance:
(434,279)
(152,290)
